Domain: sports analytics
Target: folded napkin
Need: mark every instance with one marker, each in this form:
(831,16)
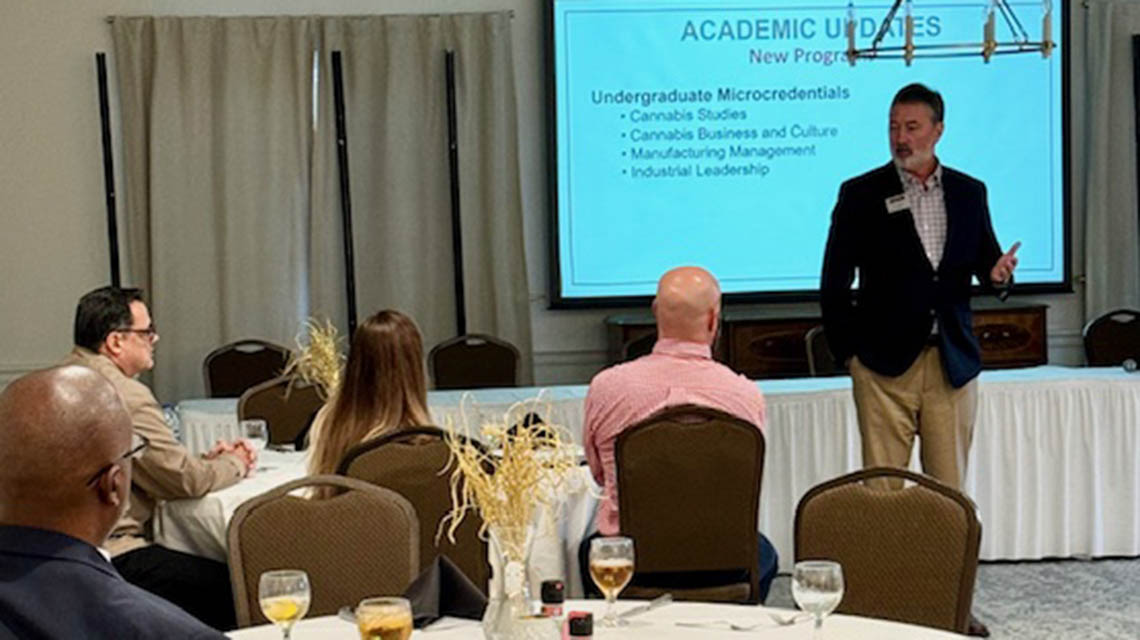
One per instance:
(443,590)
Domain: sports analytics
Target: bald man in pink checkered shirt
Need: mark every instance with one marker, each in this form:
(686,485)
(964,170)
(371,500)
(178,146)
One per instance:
(680,370)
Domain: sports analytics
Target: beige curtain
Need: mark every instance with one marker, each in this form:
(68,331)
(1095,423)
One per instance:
(1105,113)
(397,147)
(217,139)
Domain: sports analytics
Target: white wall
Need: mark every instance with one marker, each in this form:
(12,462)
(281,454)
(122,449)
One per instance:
(53,244)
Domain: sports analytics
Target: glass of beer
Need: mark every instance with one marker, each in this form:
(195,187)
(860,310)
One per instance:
(284,597)
(611,567)
(384,619)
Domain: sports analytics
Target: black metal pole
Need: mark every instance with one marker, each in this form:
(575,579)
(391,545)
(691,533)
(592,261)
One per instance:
(108,167)
(453,167)
(345,197)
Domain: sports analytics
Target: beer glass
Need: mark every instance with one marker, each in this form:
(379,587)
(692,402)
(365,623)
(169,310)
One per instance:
(611,567)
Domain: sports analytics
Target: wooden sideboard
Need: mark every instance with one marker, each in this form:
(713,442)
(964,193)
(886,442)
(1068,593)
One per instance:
(760,344)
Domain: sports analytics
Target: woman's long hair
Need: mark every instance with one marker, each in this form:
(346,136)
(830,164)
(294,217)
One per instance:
(383,389)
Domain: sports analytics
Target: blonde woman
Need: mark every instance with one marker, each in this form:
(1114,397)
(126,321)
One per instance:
(383,389)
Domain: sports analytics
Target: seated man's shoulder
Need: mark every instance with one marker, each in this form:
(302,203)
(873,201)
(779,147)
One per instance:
(77,594)
(145,615)
(133,392)
(738,382)
(616,375)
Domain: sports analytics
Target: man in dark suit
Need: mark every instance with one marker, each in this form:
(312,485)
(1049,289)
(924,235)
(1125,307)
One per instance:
(66,447)
(916,232)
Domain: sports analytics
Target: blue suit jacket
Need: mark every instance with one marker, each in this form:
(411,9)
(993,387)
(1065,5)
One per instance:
(900,292)
(53,586)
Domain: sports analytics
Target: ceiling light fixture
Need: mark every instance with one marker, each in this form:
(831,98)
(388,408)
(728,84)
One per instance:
(987,48)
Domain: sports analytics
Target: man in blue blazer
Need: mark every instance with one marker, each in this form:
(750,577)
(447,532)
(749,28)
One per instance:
(916,232)
(66,447)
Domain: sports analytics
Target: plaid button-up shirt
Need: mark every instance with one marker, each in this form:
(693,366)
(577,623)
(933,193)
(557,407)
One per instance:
(929,208)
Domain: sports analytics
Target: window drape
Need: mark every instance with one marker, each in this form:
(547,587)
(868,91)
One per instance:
(217,141)
(232,205)
(1107,153)
(396,112)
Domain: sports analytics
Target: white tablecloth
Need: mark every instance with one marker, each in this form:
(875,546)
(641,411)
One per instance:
(204,421)
(1054,469)
(199,526)
(659,624)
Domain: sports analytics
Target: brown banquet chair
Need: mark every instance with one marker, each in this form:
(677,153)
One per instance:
(688,484)
(1113,338)
(637,347)
(474,361)
(232,368)
(362,542)
(286,405)
(908,554)
(411,462)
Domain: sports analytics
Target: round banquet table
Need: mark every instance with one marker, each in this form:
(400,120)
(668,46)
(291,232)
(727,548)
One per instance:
(659,624)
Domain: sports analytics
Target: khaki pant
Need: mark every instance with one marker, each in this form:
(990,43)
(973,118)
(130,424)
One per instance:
(921,401)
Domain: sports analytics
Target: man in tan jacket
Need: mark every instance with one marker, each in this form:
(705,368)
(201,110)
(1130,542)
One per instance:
(114,335)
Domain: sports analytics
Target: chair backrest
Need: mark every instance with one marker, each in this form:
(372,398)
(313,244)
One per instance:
(411,462)
(820,360)
(472,361)
(362,542)
(688,481)
(1113,338)
(908,554)
(286,405)
(232,368)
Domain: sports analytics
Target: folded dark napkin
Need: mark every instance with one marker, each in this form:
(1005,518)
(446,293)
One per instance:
(443,590)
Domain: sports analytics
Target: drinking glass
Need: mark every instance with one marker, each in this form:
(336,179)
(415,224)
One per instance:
(611,567)
(817,586)
(284,597)
(257,432)
(384,619)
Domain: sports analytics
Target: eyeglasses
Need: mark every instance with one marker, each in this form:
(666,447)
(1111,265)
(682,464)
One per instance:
(149,332)
(138,443)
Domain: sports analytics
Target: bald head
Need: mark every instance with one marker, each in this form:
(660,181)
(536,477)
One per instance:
(58,427)
(687,306)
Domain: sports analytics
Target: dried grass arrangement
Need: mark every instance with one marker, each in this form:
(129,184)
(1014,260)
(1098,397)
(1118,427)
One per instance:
(521,466)
(321,361)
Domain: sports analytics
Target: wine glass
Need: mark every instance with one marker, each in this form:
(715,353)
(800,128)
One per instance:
(611,567)
(257,432)
(817,586)
(284,597)
(384,619)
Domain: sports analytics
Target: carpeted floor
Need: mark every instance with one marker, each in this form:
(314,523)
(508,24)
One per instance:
(1054,600)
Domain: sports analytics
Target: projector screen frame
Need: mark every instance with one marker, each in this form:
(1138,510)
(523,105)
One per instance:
(557,301)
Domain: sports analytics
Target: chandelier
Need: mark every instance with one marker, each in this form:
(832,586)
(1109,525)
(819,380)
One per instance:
(987,48)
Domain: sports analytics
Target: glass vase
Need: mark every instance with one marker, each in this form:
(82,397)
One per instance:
(510,611)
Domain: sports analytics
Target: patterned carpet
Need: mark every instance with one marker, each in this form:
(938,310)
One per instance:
(1054,600)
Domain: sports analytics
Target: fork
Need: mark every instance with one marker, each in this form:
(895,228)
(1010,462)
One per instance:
(734,626)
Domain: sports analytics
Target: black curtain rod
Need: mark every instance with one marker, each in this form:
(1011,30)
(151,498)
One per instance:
(111,19)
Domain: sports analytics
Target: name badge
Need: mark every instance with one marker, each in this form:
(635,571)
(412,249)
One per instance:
(897,203)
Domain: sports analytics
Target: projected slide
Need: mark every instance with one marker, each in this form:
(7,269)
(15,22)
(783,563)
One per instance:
(718,133)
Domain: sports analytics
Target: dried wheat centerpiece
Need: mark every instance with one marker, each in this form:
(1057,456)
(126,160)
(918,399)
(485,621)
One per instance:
(321,361)
(521,466)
